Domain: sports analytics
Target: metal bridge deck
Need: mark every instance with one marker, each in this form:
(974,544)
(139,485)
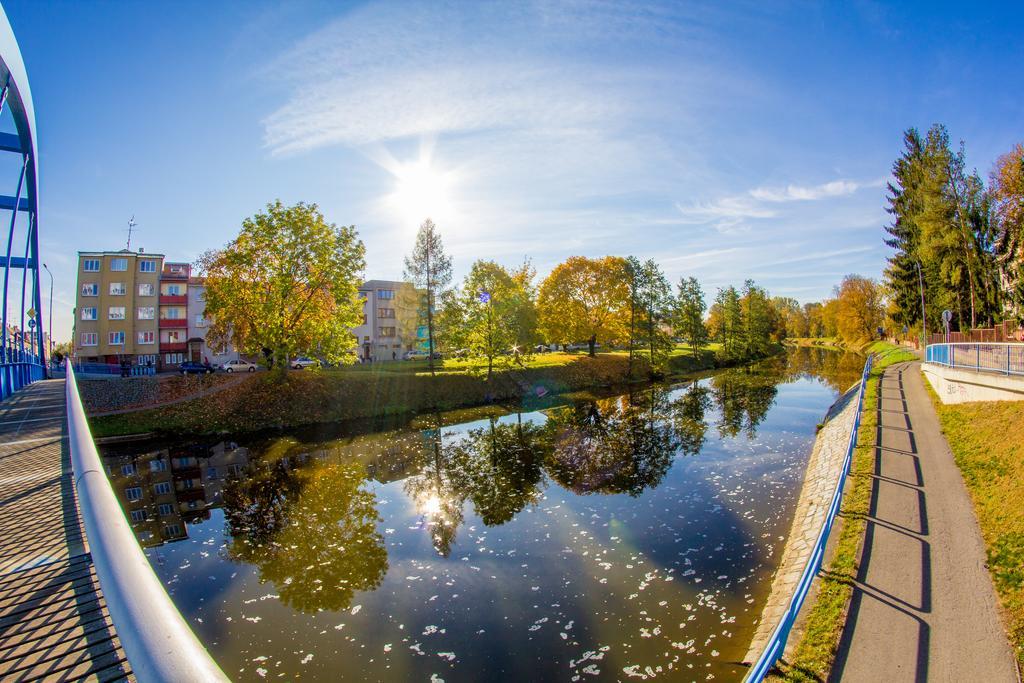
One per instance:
(54,623)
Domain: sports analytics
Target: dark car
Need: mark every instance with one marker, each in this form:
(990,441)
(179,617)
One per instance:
(191,367)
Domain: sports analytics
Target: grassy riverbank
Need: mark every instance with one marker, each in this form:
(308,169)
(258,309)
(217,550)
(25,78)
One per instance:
(988,447)
(364,391)
(824,624)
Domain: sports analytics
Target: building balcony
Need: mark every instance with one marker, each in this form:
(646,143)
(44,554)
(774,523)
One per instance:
(170,323)
(175,299)
(174,347)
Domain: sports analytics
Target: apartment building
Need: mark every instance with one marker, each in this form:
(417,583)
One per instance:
(198,326)
(390,324)
(116,307)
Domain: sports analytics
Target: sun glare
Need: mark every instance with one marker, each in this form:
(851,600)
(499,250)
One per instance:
(421,191)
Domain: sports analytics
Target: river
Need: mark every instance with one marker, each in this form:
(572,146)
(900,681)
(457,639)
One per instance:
(606,536)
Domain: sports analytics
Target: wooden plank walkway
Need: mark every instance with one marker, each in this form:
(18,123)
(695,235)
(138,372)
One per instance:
(54,624)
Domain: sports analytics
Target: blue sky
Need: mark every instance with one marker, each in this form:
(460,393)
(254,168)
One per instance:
(725,141)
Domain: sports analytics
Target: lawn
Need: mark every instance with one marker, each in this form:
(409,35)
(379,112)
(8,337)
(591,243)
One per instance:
(988,444)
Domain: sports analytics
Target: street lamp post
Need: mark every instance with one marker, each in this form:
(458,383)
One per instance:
(49,351)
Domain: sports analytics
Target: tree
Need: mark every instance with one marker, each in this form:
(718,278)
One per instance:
(688,318)
(430,270)
(585,298)
(758,321)
(491,314)
(287,283)
(1007,188)
(859,308)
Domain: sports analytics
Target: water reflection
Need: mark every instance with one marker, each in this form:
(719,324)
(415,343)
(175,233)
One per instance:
(589,498)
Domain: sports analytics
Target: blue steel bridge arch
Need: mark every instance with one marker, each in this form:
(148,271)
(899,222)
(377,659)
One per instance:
(22,355)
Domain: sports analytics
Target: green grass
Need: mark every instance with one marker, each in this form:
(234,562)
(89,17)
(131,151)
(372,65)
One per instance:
(814,655)
(988,446)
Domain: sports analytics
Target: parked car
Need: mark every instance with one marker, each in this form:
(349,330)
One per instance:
(238,365)
(303,362)
(191,367)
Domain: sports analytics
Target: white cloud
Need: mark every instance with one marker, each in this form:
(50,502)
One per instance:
(791,193)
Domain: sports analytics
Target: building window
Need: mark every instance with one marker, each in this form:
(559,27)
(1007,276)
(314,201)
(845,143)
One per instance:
(117,264)
(128,469)
(147,266)
(162,488)
(146,289)
(138,516)
(157,466)
(165,509)
(147,338)
(116,313)
(385,294)
(90,339)
(388,332)
(146,312)
(90,289)
(385,313)
(89,313)
(116,339)
(117,289)
(133,493)
(91,265)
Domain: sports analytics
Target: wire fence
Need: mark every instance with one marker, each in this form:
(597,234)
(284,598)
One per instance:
(777,643)
(1005,359)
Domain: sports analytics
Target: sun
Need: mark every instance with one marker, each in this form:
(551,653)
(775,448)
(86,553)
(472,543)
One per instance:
(422,190)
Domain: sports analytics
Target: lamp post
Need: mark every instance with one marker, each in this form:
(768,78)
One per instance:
(924,324)
(49,351)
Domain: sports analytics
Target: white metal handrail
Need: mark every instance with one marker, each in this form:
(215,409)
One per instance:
(159,645)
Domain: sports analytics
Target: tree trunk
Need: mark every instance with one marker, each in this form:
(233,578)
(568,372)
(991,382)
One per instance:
(591,342)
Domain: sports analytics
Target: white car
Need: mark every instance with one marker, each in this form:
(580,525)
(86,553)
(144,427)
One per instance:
(238,365)
(303,362)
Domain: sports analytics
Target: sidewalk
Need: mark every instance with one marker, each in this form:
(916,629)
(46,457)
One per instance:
(923,606)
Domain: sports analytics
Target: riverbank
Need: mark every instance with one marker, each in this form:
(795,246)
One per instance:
(824,614)
(270,400)
(988,447)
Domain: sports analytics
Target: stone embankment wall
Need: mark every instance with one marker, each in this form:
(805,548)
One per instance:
(823,471)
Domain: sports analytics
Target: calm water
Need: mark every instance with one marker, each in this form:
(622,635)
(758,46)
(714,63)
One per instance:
(613,538)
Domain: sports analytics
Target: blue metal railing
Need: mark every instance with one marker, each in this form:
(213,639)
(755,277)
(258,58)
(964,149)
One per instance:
(113,369)
(777,643)
(1005,359)
(18,369)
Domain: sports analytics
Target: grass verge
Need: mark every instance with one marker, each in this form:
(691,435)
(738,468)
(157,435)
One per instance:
(988,446)
(816,651)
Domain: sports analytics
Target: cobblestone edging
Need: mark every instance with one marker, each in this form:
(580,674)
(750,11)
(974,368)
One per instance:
(819,485)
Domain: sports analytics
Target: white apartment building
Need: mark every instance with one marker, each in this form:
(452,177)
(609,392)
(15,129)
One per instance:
(390,321)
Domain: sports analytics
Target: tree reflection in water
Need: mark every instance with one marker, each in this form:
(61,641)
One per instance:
(619,445)
(310,530)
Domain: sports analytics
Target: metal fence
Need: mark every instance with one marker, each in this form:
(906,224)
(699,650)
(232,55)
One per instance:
(777,643)
(159,644)
(18,369)
(1005,359)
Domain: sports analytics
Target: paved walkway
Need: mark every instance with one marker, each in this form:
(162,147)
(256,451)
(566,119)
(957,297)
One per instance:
(54,623)
(923,605)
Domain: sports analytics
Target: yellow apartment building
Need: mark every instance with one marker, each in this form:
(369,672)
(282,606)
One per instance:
(117,305)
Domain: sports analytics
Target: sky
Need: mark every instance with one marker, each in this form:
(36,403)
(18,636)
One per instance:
(725,140)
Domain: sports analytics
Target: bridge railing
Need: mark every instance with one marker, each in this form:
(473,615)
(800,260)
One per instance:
(776,645)
(158,642)
(1005,359)
(18,369)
